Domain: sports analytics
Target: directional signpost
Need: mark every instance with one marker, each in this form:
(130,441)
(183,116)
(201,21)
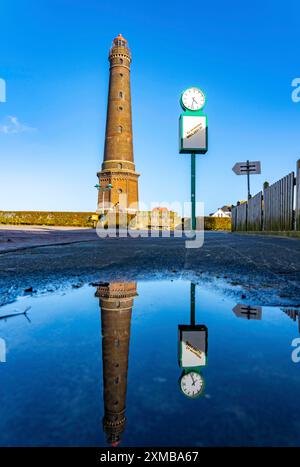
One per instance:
(247,311)
(247,168)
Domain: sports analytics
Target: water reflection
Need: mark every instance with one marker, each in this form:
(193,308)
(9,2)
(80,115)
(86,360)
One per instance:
(247,311)
(293,314)
(16,313)
(116,301)
(159,330)
(192,352)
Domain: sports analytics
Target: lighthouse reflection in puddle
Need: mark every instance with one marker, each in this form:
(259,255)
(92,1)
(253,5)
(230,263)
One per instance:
(116,301)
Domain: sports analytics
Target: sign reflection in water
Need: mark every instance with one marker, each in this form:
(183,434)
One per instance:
(247,311)
(192,352)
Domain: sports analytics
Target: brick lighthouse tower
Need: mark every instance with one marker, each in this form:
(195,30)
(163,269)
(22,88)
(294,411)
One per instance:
(116,301)
(118,167)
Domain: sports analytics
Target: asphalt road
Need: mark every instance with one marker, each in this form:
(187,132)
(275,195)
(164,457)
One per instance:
(264,270)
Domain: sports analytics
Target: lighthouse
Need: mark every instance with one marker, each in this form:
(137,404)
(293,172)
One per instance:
(118,179)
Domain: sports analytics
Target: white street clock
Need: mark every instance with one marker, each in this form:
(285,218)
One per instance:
(192,384)
(192,99)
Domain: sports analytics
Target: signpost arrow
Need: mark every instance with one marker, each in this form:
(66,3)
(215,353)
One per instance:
(247,168)
(243,168)
(247,311)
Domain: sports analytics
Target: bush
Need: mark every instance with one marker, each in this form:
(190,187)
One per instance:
(71,219)
(217,223)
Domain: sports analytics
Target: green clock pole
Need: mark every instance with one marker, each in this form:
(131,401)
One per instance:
(193,189)
(193,311)
(192,101)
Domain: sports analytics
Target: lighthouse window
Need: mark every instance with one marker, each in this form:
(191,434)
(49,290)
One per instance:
(120,166)
(121,60)
(117,342)
(121,74)
(120,129)
(119,190)
(121,94)
(120,108)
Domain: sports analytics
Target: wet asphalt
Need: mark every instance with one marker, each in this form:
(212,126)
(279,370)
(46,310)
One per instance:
(258,269)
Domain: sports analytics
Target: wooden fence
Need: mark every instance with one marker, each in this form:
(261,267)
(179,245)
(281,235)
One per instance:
(254,218)
(279,204)
(239,217)
(297,210)
(276,209)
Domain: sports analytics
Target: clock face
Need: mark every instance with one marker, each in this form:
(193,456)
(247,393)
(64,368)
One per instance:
(192,384)
(193,99)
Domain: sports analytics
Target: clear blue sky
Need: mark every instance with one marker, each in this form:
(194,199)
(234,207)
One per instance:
(53,56)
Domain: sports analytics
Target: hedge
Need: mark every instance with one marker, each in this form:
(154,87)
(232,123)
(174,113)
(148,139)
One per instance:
(83,219)
(71,219)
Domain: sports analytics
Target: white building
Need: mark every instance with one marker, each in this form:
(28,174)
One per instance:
(225,211)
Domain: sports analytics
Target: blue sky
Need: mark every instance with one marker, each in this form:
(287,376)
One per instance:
(53,57)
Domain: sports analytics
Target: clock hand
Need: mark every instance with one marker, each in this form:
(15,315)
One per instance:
(194,100)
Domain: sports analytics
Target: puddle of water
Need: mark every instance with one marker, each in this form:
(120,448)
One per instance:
(123,362)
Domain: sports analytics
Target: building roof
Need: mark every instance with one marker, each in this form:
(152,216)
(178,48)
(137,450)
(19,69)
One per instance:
(226,208)
(160,209)
(119,38)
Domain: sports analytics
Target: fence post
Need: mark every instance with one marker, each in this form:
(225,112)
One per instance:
(297,213)
(263,220)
